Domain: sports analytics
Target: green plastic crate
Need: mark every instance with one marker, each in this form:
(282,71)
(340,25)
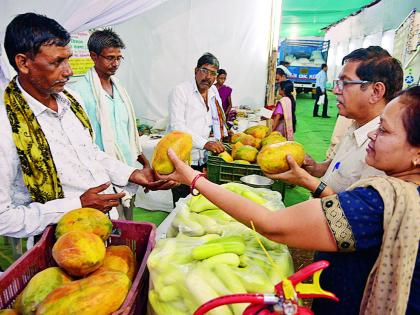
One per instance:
(220,172)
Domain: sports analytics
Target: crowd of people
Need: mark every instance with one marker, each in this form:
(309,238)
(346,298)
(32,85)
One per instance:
(65,148)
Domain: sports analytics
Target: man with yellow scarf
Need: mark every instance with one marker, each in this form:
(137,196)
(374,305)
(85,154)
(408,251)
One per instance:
(49,163)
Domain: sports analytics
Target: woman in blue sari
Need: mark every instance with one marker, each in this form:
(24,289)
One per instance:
(370,233)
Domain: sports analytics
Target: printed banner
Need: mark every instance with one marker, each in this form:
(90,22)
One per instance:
(80,62)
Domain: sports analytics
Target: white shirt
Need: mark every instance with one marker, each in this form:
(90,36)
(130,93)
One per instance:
(348,164)
(188,113)
(286,70)
(79,162)
(321,80)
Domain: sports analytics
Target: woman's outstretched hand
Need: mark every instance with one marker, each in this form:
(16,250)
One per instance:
(183,173)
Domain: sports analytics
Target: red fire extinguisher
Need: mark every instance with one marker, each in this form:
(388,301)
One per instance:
(284,300)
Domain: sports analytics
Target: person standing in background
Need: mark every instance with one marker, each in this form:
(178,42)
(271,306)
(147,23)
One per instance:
(109,107)
(284,65)
(225,91)
(321,90)
(280,77)
(195,107)
(284,114)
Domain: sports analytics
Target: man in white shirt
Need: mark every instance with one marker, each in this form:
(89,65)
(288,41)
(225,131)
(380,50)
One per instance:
(48,162)
(280,77)
(321,90)
(369,79)
(342,125)
(195,107)
(284,65)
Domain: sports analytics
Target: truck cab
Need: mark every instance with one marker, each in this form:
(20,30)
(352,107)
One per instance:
(305,58)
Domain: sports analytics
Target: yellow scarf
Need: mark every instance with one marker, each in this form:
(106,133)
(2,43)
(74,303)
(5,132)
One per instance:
(38,168)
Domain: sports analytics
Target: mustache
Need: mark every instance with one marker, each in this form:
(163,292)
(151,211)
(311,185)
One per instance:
(61,81)
(206,81)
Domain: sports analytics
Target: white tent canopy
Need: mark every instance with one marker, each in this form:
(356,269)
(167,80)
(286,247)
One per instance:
(77,15)
(164,39)
(373,26)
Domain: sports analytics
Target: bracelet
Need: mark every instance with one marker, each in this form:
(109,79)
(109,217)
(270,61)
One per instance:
(194,181)
(318,191)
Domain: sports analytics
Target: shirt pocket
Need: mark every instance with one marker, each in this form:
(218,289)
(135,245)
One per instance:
(345,176)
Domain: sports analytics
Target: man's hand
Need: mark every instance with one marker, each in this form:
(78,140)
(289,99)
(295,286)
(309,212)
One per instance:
(92,198)
(214,146)
(142,159)
(314,168)
(296,175)
(146,178)
(309,164)
(149,174)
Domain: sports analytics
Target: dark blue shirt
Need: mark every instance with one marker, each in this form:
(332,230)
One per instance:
(348,271)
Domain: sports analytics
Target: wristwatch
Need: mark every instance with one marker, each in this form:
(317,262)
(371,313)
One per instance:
(318,191)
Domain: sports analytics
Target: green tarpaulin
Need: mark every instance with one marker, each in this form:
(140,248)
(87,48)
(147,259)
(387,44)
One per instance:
(307,18)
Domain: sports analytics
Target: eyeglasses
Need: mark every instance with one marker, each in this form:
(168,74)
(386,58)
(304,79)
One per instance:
(340,84)
(112,58)
(208,72)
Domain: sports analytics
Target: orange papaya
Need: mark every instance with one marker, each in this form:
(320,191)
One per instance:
(180,142)
(79,253)
(98,294)
(272,157)
(85,219)
(119,258)
(39,287)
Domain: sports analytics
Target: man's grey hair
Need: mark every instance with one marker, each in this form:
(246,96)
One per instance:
(107,38)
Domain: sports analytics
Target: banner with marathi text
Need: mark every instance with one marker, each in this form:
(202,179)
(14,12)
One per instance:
(80,62)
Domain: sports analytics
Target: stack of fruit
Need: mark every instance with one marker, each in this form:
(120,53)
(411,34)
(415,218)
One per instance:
(90,279)
(257,145)
(209,254)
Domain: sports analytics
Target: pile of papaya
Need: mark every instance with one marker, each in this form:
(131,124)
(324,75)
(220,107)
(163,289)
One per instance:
(255,145)
(269,150)
(89,279)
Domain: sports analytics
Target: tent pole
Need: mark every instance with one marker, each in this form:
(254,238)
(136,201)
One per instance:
(272,51)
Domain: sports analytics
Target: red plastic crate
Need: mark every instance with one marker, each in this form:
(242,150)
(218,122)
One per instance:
(139,236)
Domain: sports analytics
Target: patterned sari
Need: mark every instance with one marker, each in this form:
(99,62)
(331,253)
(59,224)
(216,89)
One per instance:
(284,108)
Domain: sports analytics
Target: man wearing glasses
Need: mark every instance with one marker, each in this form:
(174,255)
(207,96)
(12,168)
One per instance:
(109,107)
(369,79)
(195,107)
